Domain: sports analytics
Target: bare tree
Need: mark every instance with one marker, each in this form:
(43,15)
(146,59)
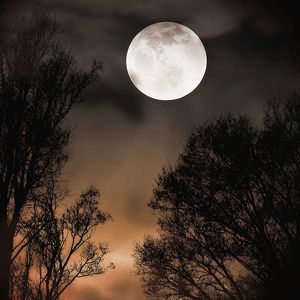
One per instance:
(39,85)
(229,212)
(62,250)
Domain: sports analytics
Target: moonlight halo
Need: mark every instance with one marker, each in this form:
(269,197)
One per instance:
(166,61)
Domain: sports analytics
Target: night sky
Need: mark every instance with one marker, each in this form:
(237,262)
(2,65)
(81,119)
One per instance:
(122,138)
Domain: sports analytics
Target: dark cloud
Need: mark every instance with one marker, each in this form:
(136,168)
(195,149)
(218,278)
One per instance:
(104,30)
(126,100)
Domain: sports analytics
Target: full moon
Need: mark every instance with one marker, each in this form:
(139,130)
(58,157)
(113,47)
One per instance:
(166,61)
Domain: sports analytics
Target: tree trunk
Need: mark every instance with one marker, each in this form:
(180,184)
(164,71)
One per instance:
(6,245)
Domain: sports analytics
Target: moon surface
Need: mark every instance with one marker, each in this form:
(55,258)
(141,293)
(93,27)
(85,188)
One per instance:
(166,61)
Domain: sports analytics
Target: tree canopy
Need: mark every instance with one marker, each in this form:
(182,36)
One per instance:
(39,85)
(229,212)
(58,248)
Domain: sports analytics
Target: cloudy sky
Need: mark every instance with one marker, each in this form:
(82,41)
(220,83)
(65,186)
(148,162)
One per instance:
(122,139)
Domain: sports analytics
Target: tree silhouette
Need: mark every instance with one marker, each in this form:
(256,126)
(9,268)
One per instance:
(62,249)
(229,212)
(39,85)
